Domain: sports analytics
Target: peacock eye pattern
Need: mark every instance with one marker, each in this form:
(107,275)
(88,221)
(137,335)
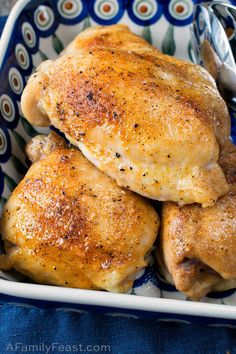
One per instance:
(41,32)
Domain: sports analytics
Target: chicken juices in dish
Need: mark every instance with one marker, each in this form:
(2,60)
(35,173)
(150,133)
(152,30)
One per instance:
(197,246)
(69,224)
(152,122)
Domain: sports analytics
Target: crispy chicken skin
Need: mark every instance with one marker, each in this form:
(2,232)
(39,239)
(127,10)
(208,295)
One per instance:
(69,224)
(197,246)
(111,37)
(152,122)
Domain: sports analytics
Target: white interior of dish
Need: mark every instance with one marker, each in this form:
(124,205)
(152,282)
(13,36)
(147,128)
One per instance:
(152,299)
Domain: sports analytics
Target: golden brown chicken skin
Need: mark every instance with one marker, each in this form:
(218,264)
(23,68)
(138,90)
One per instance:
(111,37)
(68,224)
(151,122)
(197,249)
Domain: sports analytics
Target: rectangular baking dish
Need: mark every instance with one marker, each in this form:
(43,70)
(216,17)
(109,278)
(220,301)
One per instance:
(40,29)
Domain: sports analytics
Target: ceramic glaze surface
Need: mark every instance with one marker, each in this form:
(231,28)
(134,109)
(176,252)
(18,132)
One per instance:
(41,31)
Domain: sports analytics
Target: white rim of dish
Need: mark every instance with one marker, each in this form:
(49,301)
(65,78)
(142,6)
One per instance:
(114,300)
(101,298)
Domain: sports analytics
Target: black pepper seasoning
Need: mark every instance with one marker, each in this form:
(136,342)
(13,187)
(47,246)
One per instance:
(90,96)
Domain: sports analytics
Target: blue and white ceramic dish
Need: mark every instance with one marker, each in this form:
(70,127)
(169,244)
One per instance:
(40,29)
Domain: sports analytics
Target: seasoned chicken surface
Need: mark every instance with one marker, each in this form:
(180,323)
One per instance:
(111,37)
(153,123)
(69,224)
(198,246)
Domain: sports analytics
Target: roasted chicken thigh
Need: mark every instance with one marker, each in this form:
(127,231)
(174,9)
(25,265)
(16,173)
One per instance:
(153,123)
(69,224)
(197,249)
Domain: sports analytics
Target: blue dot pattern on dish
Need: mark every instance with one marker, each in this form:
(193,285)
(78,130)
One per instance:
(42,31)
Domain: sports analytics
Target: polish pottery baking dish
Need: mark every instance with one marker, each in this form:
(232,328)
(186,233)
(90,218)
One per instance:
(37,30)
